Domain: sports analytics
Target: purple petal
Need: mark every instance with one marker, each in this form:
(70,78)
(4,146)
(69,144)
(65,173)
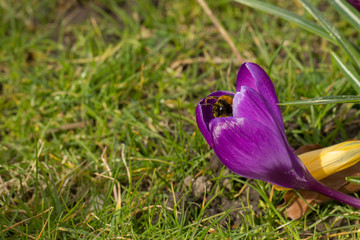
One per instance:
(252,150)
(249,104)
(204,114)
(355,4)
(253,76)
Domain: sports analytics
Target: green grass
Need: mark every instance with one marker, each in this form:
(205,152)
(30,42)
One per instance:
(97,123)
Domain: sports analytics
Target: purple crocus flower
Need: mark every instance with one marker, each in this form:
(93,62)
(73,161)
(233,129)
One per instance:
(355,4)
(246,131)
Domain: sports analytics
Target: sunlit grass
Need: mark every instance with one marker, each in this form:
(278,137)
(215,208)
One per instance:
(97,123)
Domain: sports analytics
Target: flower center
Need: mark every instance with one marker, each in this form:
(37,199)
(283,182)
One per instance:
(223,106)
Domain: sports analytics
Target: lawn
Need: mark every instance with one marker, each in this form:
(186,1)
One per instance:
(98,137)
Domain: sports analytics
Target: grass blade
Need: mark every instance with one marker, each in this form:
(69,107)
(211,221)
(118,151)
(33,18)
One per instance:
(331,29)
(288,16)
(355,180)
(325,100)
(348,12)
(350,74)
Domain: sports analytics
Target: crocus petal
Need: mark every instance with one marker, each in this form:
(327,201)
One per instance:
(326,161)
(250,149)
(355,4)
(255,77)
(204,114)
(249,104)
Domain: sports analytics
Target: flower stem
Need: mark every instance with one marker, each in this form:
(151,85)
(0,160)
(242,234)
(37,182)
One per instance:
(339,196)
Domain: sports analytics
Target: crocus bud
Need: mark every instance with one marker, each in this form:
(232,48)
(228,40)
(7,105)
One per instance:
(327,161)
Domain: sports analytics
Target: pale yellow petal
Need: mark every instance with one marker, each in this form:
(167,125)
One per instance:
(326,161)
